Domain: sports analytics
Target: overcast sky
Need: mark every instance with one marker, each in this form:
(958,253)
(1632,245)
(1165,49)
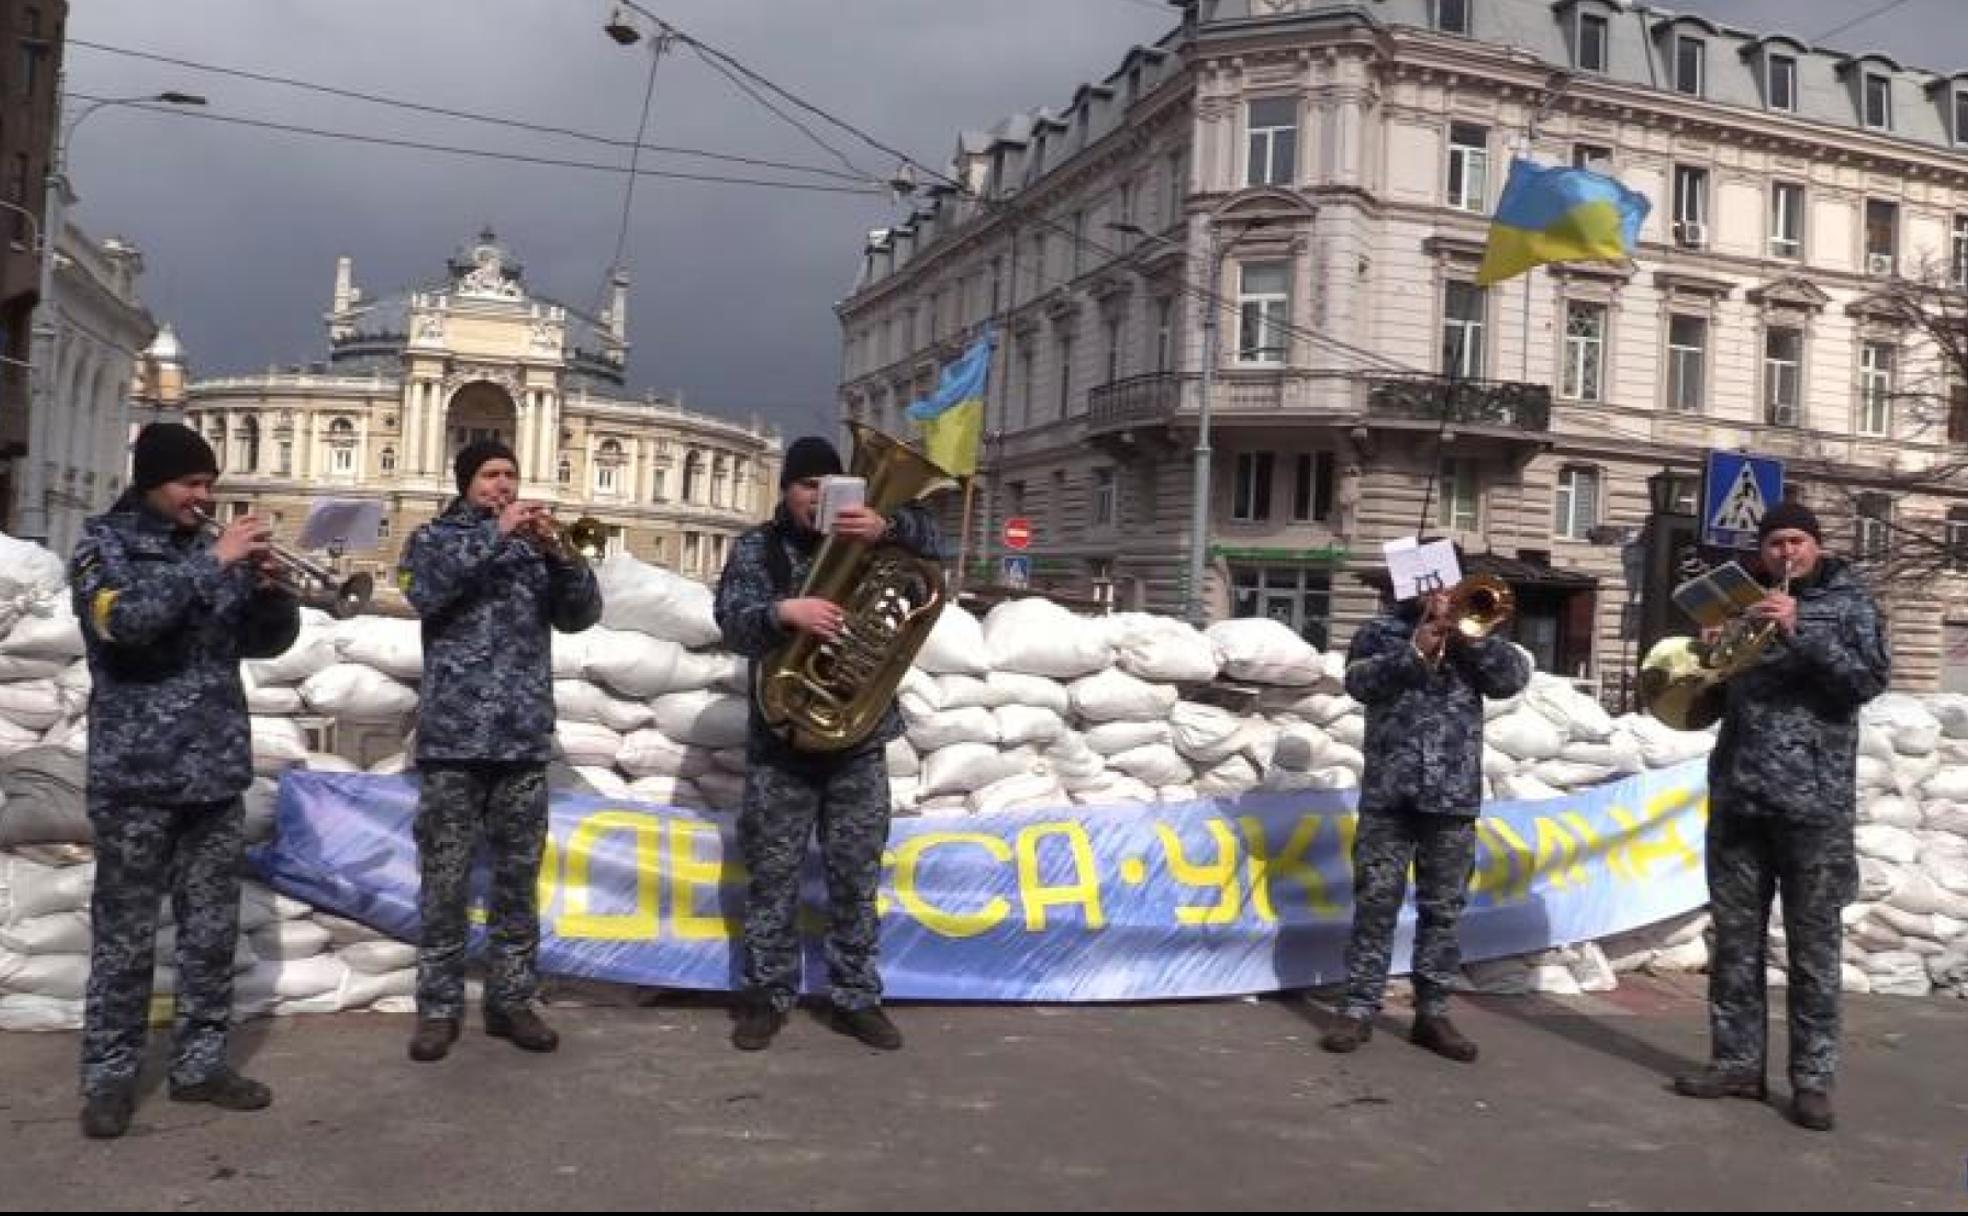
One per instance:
(734,285)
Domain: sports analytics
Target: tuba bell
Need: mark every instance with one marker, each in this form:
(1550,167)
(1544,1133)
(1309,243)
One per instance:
(1683,679)
(827,696)
(1479,605)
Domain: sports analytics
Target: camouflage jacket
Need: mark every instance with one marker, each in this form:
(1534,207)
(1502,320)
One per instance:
(1790,730)
(165,629)
(489,604)
(1424,744)
(769,564)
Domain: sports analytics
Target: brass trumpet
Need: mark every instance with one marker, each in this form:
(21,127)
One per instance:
(308,581)
(586,538)
(1479,605)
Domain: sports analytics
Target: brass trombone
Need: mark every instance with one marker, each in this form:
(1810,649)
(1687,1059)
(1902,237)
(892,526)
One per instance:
(308,581)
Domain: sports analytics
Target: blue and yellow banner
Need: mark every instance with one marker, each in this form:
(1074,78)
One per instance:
(1553,214)
(1210,898)
(952,417)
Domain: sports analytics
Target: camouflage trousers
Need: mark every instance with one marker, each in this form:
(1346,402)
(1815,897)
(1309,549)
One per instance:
(847,800)
(1442,849)
(1751,857)
(143,851)
(507,805)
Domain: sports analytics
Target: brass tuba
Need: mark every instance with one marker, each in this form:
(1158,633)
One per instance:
(827,696)
(1682,679)
(1479,605)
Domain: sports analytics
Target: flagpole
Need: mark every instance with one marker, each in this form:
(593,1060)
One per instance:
(963,545)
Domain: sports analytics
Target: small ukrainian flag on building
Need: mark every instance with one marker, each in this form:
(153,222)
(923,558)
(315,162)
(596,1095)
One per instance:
(1554,214)
(952,417)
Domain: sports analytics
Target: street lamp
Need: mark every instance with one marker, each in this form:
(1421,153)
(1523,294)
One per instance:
(32,521)
(1192,594)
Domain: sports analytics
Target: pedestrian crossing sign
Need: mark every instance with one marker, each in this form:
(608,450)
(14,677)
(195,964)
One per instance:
(1736,489)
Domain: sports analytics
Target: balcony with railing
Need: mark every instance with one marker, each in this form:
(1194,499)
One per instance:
(1486,405)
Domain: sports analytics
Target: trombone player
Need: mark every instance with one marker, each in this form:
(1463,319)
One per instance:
(1783,809)
(167,613)
(491,583)
(1422,669)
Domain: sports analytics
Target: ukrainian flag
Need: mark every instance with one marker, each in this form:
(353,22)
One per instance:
(952,417)
(1554,214)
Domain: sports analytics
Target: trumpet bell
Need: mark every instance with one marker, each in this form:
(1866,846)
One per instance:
(1480,604)
(586,536)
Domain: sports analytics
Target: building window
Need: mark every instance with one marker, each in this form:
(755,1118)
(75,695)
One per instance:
(1455,497)
(1079,241)
(1592,34)
(1164,335)
(1585,350)
(1783,366)
(250,443)
(1595,157)
(341,446)
(382,526)
(1299,598)
(1273,141)
(1780,82)
(1452,16)
(1961,117)
(387,460)
(1015,498)
(658,478)
(1176,181)
(1957,539)
(1576,502)
(1957,414)
(1312,487)
(1025,381)
(1690,65)
(608,464)
(1113,349)
(1786,220)
(1687,357)
(1960,251)
(1251,498)
(1463,306)
(286,457)
(565,473)
(1065,373)
(1878,102)
(17,194)
(1469,165)
(1690,207)
(1103,498)
(1876,389)
(1263,304)
(617,543)
(1875,523)
(1882,235)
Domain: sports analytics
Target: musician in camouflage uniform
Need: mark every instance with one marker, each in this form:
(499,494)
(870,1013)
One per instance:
(1783,806)
(166,617)
(1423,685)
(491,586)
(789,794)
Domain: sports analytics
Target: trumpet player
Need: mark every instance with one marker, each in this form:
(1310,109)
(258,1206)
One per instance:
(1422,680)
(491,587)
(1783,805)
(790,794)
(167,613)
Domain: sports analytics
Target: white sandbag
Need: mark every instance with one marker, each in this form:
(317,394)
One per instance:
(53,634)
(1264,651)
(278,745)
(27,1012)
(1350,730)
(1299,748)
(55,933)
(1115,696)
(359,693)
(712,669)
(972,724)
(1890,810)
(64,977)
(963,767)
(1524,734)
(1950,709)
(378,956)
(1229,777)
(274,701)
(962,691)
(291,979)
(1949,784)
(286,940)
(1872,775)
(580,701)
(1016,792)
(70,736)
(901,759)
(1161,649)
(1879,879)
(632,664)
(14,732)
(1661,746)
(587,743)
(391,645)
(919,693)
(1040,692)
(1525,787)
(362,990)
(1948,870)
(1496,764)
(1325,708)
(1343,755)
(1620,753)
(1892,844)
(392,764)
(955,645)
(604,780)
(1038,637)
(1158,764)
(665,790)
(1941,815)
(651,753)
(1898,973)
(703,718)
(904,794)
(313,650)
(1114,790)
(648,599)
(1564,774)
(1027,724)
(1258,741)
(1204,734)
(1112,738)
(31,580)
(1073,763)
(343,932)
(23,667)
(36,704)
(1574,713)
